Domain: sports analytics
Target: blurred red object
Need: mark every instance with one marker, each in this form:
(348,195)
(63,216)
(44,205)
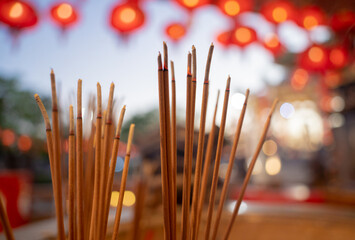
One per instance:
(175,31)
(24,143)
(127,17)
(17,14)
(192,4)
(243,36)
(311,17)
(299,79)
(16,189)
(314,58)
(271,42)
(343,21)
(224,38)
(278,11)
(332,79)
(338,57)
(232,8)
(64,14)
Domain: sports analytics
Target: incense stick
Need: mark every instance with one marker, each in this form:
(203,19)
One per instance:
(187,175)
(174,140)
(138,210)
(230,166)
(206,167)
(57,160)
(163,152)
(4,219)
(200,146)
(79,164)
(217,161)
(112,168)
(250,170)
(123,183)
(169,160)
(105,160)
(71,168)
(94,214)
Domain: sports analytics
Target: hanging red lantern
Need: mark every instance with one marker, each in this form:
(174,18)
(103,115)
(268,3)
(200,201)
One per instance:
(17,14)
(338,57)
(342,21)
(271,42)
(299,79)
(314,58)
(64,14)
(243,36)
(311,17)
(232,8)
(175,31)
(224,38)
(127,17)
(278,11)
(192,4)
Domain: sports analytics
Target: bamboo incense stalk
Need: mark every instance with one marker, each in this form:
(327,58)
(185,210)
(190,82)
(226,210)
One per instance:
(138,210)
(94,214)
(217,161)
(105,160)
(71,167)
(230,167)
(79,164)
(250,170)
(168,139)
(174,141)
(187,175)
(206,168)
(200,146)
(163,152)
(57,160)
(112,168)
(123,183)
(4,219)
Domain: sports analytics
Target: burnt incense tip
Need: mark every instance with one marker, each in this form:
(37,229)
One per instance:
(228,83)
(193,48)
(247,92)
(52,72)
(160,67)
(124,107)
(212,44)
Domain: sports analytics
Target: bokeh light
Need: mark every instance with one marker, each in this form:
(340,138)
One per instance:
(337,104)
(336,120)
(273,165)
(8,137)
(64,11)
(24,143)
(16,10)
(237,100)
(129,199)
(119,164)
(287,110)
(269,147)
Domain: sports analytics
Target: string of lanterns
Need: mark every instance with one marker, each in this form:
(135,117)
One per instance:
(128,16)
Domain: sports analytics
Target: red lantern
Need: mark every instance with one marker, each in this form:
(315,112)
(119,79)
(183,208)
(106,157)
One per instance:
(342,21)
(192,4)
(338,57)
(278,11)
(224,38)
(314,58)
(232,8)
(64,14)
(311,17)
(175,31)
(271,42)
(127,17)
(17,14)
(243,36)
(299,79)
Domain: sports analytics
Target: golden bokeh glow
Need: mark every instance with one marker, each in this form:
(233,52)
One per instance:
(127,15)
(64,11)
(310,22)
(271,41)
(129,198)
(270,147)
(232,8)
(316,54)
(16,10)
(190,3)
(273,165)
(279,14)
(243,35)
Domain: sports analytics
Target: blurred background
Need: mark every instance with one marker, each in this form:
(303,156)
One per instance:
(299,51)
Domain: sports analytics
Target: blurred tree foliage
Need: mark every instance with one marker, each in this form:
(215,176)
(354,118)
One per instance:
(18,109)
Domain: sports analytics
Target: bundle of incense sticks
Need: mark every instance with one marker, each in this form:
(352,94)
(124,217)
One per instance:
(191,218)
(88,207)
